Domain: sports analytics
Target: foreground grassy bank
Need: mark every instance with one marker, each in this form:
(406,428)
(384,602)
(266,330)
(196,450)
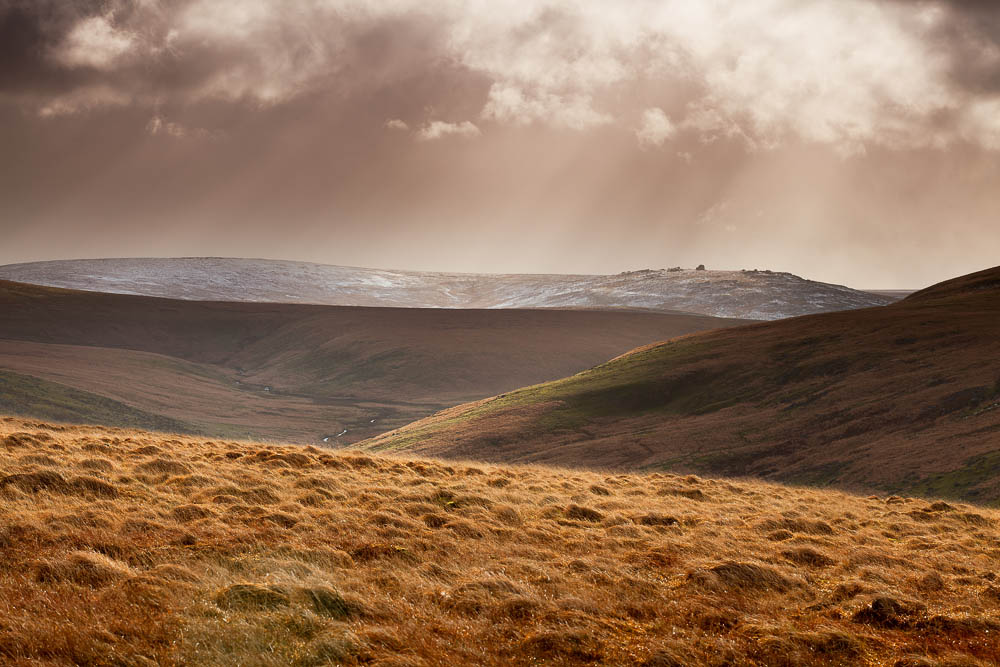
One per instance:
(130,548)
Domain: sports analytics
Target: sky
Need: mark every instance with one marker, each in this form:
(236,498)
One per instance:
(850,141)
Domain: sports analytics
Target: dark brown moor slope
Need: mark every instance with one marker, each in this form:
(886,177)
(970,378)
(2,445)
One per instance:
(903,397)
(284,371)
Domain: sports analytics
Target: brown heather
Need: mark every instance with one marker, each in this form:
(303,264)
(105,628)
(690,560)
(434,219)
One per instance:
(121,547)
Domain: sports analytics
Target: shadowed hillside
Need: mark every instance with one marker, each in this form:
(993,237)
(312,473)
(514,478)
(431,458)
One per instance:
(902,397)
(131,548)
(284,371)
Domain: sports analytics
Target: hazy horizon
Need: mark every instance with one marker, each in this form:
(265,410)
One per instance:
(853,142)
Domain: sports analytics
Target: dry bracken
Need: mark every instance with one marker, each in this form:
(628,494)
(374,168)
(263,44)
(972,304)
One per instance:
(132,548)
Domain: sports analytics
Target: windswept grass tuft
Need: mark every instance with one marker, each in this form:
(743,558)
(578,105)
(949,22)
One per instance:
(131,548)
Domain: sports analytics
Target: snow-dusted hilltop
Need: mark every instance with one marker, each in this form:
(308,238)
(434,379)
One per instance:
(745,294)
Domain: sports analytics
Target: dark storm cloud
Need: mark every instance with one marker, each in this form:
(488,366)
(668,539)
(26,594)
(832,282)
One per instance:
(28,32)
(972,37)
(968,34)
(39,61)
(64,58)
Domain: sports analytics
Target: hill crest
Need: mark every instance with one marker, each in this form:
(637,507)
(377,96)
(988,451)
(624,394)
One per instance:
(757,295)
(896,398)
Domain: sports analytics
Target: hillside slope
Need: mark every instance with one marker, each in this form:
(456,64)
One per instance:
(757,295)
(130,548)
(903,397)
(295,372)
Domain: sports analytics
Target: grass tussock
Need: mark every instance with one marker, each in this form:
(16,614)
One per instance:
(121,547)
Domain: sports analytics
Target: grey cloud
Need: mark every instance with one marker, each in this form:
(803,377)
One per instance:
(848,74)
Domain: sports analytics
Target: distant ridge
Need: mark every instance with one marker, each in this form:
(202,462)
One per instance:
(892,293)
(758,295)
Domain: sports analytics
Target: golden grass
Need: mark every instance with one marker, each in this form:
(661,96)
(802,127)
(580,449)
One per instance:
(121,547)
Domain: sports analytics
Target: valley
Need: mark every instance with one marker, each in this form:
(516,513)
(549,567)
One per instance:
(289,372)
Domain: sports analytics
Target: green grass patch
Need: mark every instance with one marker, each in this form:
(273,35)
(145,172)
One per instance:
(827,474)
(650,380)
(29,396)
(962,483)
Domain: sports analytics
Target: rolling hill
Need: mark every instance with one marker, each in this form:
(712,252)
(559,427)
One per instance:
(123,547)
(904,397)
(292,372)
(756,295)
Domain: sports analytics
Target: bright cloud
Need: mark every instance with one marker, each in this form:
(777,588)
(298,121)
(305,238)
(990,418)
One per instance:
(94,42)
(656,128)
(510,104)
(439,129)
